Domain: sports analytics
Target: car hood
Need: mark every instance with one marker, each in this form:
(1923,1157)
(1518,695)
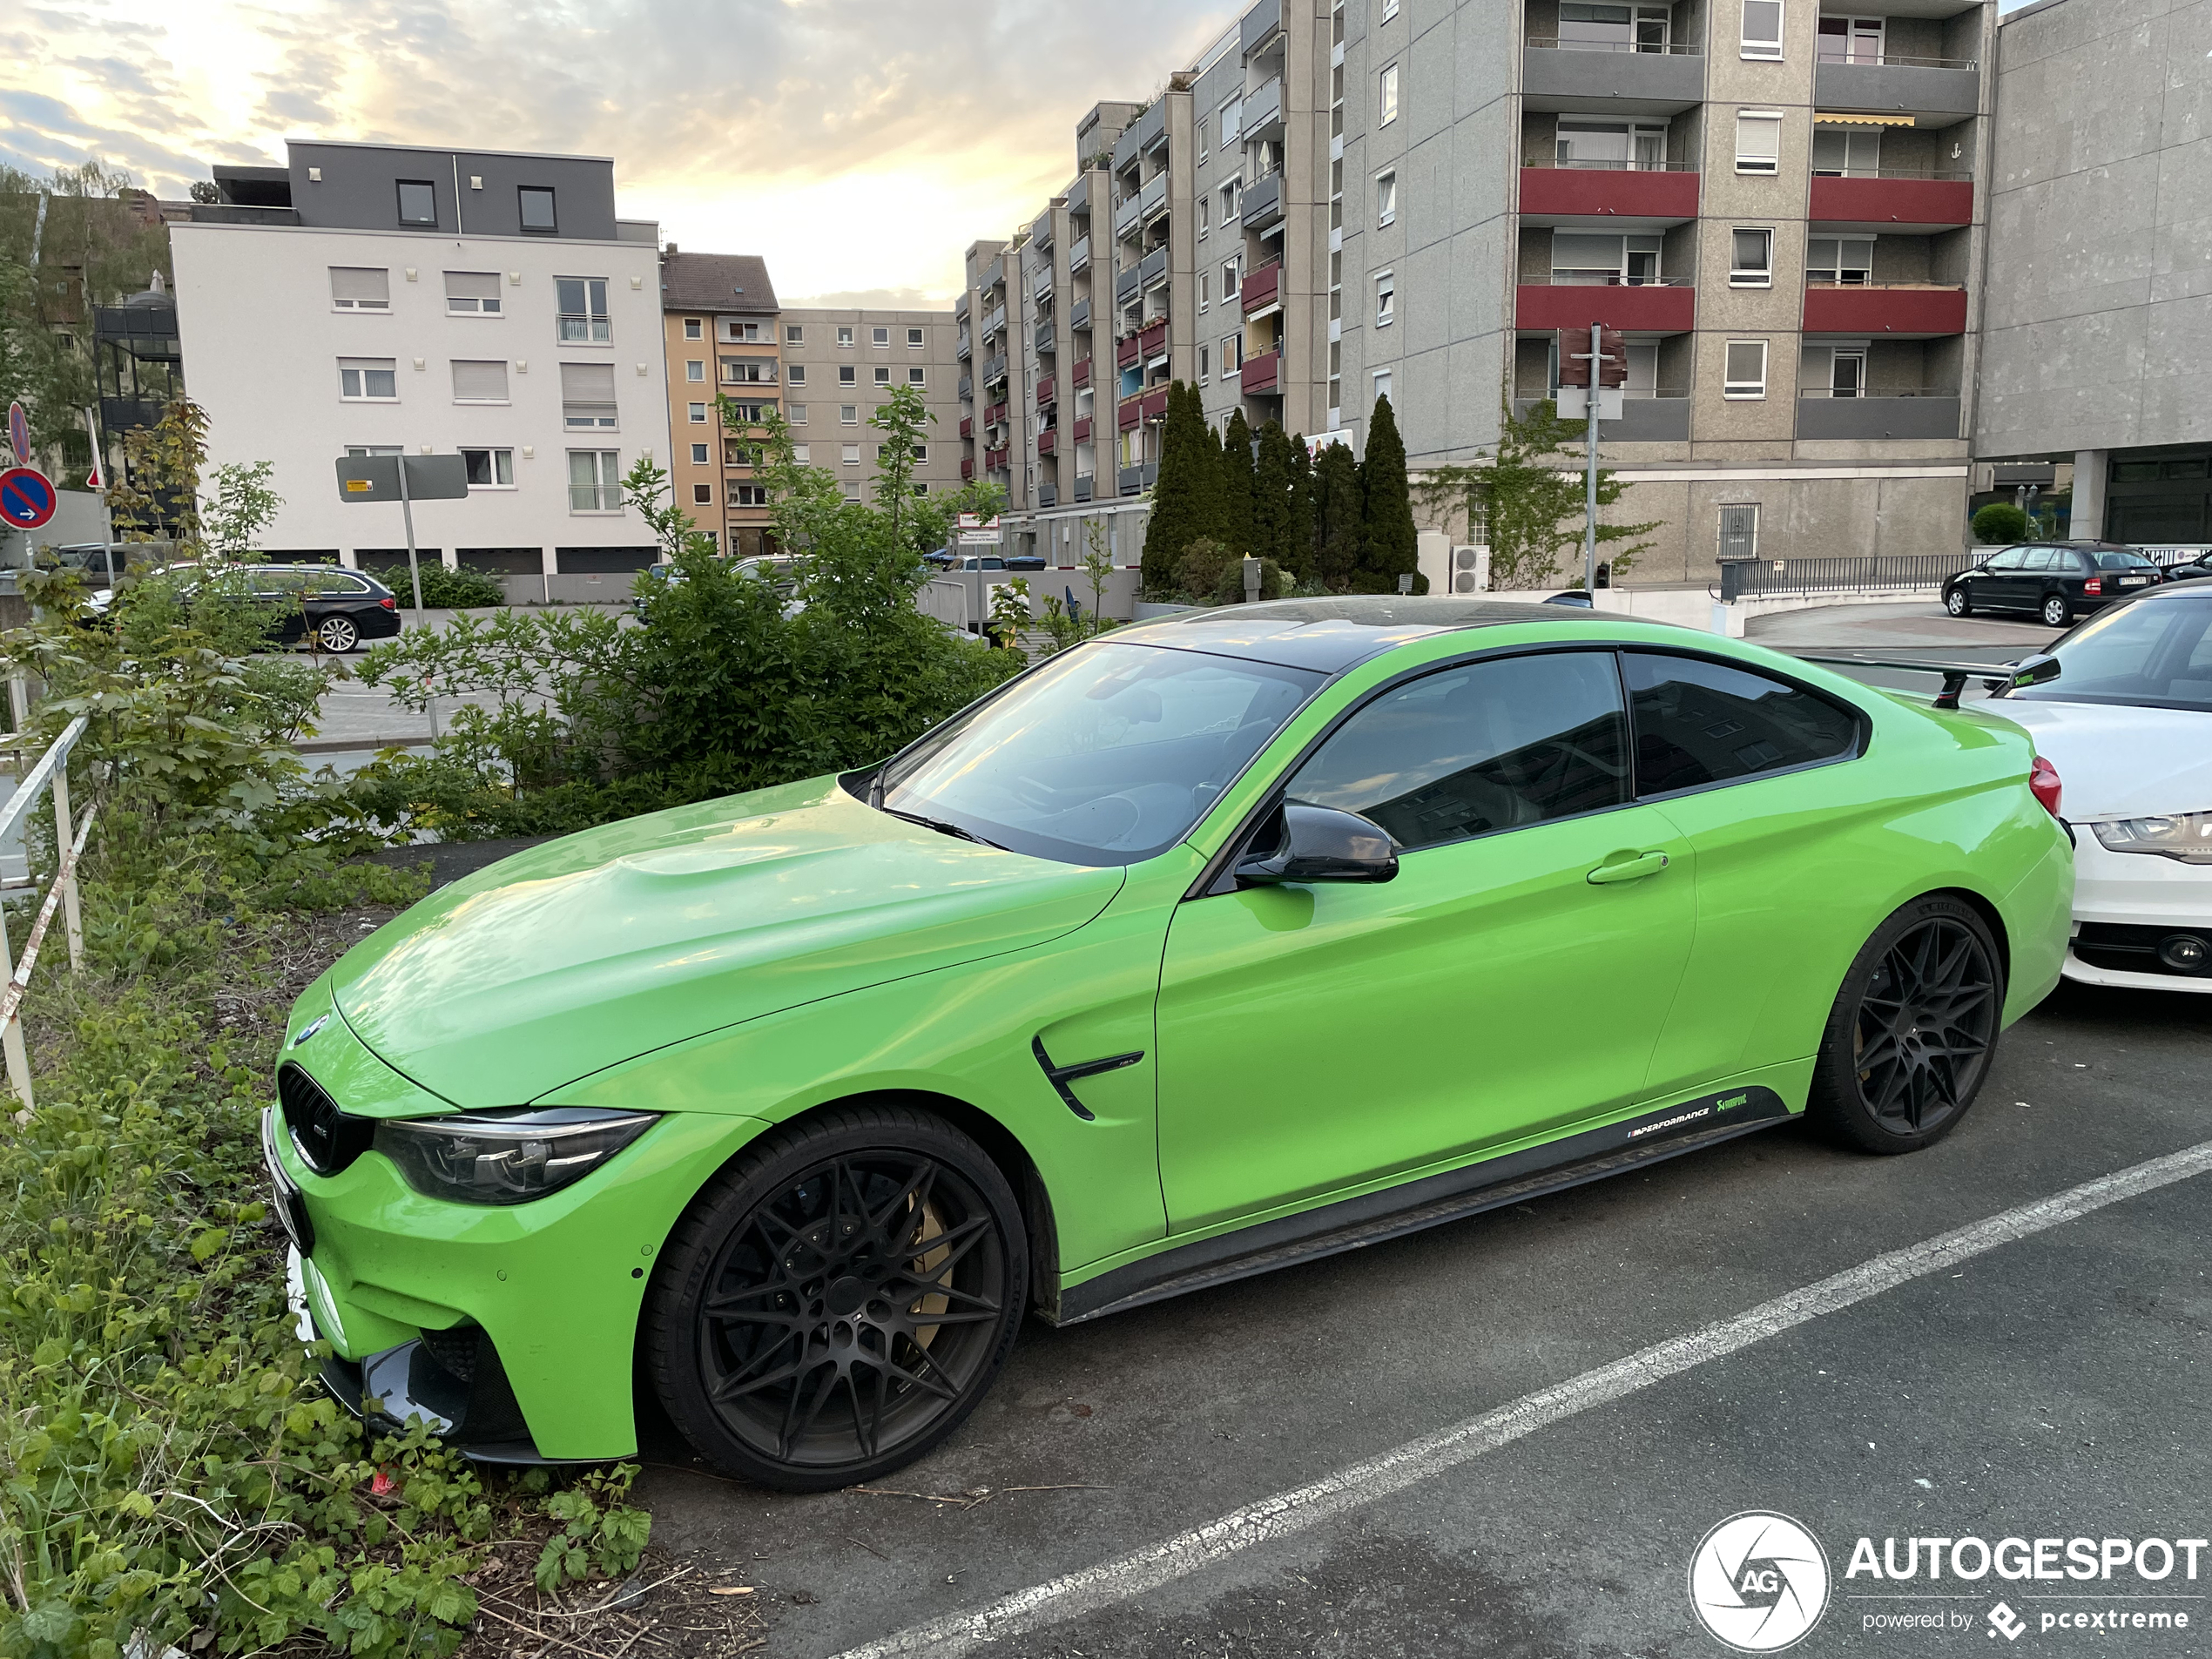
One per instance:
(600,946)
(2118,761)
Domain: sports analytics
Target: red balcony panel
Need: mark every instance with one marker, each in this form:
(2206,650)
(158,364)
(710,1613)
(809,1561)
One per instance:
(1648,308)
(1886,311)
(967,425)
(1155,405)
(996,460)
(1081,378)
(967,469)
(1047,391)
(1893,201)
(1263,286)
(1132,410)
(1048,442)
(1083,429)
(1262,374)
(1593,192)
(1126,351)
(1154,340)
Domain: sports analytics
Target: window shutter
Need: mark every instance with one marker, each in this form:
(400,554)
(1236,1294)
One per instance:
(587,382)
(472,284)
(482,382)
(360,285)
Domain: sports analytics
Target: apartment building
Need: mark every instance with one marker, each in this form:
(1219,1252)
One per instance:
(375,298)
(1776,206)
(839,366)
(718,323)
(2099,322)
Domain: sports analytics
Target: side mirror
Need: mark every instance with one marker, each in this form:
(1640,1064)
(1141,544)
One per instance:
(1321,844)
(2039,670)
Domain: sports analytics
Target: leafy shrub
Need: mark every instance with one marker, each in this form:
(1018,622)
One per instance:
(1999,521)
(1274,583)
(463,588)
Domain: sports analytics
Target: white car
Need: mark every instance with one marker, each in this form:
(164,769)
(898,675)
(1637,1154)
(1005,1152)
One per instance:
(2127,725)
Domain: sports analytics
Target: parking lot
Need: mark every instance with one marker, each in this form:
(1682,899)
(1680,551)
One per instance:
(1271,1467)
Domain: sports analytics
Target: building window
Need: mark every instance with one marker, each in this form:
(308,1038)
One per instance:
(702,495)
(1847,372)
(698,454)
(1758,141)
(1385,300)
(802,452)
(917,376)
(472,293)
(922,453)
(879,337)
(741,331)
(1593,259)
(1202,137)
(852,488)
(536,202)
(1752,260)
(1745,369)
(751,495)
(795,374)
(883,375)
(1386,98)
(1228,201)
(588,396)
(480,382)
(1848,152)
(695,370)
(749,371)
(1850,40)
(489,469)
(1382,381)
(582,305)
(852,456)
(360,287)
(1389,9)
(693,329)
(848,415)
(913,338)
(1763,29)
(844,334)
(697,413)
(1386,198)
(847,375)
(794,335)
(418,202)
(1205,213)
(1205,363)
(1740,531)
(370,380)
(1847,261)
(1232,118)
(1228,281)
(1232,355)
(594,481)
(798,414)
(1205,285)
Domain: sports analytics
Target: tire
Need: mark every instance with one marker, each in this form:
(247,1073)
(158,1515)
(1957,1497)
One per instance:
(767,1333)
(2056,611)
(338,635)
(1908,1042)
(1957,602)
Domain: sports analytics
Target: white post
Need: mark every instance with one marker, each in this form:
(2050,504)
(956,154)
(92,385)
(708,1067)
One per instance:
(65,835)
(1589,472)
(18,1058)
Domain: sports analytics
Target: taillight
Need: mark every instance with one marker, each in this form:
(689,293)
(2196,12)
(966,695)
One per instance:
(2095,584)
(2043,783)
(388,602)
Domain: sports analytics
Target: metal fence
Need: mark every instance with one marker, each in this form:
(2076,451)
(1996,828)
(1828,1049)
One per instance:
(51,775)
(1879,573)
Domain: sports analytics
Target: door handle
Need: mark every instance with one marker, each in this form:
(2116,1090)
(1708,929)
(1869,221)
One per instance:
(1633,869)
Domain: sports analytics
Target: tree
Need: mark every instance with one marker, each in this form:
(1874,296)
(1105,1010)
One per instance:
(241,508)
(1528,496)
(155,495)
(2000,521)
(1274,531)
(1337,518)
(1388,544)
(1184,497)
(1235,526)
(1299,561)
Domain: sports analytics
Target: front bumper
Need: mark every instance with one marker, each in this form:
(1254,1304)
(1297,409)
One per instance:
(2126,905)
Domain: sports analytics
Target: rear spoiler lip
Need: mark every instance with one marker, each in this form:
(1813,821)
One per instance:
(1993,675)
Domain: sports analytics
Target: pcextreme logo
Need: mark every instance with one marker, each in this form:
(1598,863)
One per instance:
(1758,1582)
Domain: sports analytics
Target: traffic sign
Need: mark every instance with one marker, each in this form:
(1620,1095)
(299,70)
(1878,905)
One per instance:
(19,433)
(26,498)
(373,478)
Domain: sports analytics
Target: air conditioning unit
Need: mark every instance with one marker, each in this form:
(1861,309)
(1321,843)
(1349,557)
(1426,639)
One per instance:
(1470,570)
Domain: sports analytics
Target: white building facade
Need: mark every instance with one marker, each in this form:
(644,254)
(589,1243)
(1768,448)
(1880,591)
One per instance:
(370,299)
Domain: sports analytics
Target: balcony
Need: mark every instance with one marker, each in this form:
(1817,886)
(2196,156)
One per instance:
(1048,392)
(1082,434)
(1048,494)
(1610,76)
(1264,112)
(1152,340)
(1900,310)
(1664,308)
(1041,233)
(966,427)
(1263,287)
(1151,127)
(1083,482)
(1890,85)
(994,273)
(1261,375)
(1079,255)
(1126,352)
(1134,481)
(967,388)
(960,309)
(996,459)
(1079,197)
(1152,200)
(1048,442)
(1646,417)
(1125,285)
(967,469)
(1259,25)
(1263,204)
(1154,269)
(1046,339)
(1127,215)
(1081,377)
(994,415)
(1155,405)
(1079,314)
(994,371)
(1885,203)
(994,324)
(961,348)
(1929,415)
(1041,280)
(1128,412)
(1651,196)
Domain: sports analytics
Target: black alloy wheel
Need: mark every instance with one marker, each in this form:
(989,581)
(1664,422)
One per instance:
(2056,611)
(1959,602)
(1911,1037)
(839,1301)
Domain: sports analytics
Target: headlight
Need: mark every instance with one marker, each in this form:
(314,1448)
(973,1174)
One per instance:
(506,1157)
(2186,836)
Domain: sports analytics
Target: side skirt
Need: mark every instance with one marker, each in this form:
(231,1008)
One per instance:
(1687,1126)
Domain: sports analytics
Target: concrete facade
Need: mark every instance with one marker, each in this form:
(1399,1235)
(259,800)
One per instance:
(883,349)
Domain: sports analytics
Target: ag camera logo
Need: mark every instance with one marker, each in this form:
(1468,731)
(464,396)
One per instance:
(1758,1582)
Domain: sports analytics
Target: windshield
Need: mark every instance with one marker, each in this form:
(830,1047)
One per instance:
(1107,754)
(2156,653)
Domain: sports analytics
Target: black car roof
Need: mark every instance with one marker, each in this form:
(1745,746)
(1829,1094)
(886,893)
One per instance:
(1331,635)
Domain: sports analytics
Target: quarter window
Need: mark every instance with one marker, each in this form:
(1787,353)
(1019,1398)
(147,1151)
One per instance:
(1495,745)
(1699,723)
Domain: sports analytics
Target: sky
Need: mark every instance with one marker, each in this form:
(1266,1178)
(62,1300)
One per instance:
(860,145)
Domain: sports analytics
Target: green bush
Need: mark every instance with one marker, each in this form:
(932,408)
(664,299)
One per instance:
(463,589)
(1274,583)
(2000,521)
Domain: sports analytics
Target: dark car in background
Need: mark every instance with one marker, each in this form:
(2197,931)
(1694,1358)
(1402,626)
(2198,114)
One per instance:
(337,609)
(2057,581)
(2195,571)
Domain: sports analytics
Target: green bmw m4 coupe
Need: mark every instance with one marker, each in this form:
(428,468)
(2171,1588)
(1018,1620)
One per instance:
(1219,943)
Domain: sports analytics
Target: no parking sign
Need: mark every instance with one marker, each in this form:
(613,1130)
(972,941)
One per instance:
(26,498)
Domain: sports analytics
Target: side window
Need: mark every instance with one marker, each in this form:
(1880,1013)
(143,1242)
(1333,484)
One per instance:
(1467,751)
(1700,722)
(2011,559)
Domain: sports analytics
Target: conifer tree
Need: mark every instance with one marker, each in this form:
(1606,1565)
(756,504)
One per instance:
(1183,497)
(1387,541)
(1273,530)
(1300,562)
(1337,518)
(1236,531)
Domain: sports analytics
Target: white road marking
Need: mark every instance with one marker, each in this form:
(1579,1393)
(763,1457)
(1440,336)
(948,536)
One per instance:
(1292,1512)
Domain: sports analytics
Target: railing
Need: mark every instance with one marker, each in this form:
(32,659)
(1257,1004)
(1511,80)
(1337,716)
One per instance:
(1890,173)
(1671,50)
(50,774)
(1879,391)
(1601,279)
(1615,166)
(1909,287)
(1629,394)
(1898,60)
(1878,573)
